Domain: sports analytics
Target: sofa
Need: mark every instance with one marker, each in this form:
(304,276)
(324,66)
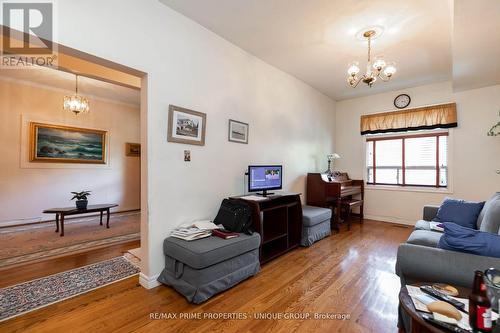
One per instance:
(420,260)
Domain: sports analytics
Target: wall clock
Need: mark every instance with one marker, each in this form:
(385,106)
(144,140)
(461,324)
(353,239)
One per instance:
(402,101)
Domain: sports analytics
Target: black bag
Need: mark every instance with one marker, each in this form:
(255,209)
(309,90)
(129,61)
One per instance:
(235,215)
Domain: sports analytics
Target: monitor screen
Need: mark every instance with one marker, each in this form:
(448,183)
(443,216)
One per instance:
(265,177)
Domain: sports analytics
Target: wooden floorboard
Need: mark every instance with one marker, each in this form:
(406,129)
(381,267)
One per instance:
(351,273)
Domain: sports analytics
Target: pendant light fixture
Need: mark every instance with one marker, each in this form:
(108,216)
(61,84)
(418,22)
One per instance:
(76,103)
(375,68)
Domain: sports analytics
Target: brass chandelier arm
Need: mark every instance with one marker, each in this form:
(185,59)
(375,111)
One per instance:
(495,130)
(356,81)
(383,77)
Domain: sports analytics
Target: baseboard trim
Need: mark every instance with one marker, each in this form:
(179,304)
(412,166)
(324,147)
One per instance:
(149,282)
(390,219)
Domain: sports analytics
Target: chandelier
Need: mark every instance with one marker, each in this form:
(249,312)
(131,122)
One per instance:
(374,70)
(76,103)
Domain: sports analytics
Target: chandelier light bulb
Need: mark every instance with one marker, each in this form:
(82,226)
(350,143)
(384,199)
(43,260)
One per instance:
(379,63)
(353,69)
(390,69)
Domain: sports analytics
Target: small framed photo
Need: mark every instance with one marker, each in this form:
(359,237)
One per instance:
(238,131)
(186,126)
(187,155)
(133,149)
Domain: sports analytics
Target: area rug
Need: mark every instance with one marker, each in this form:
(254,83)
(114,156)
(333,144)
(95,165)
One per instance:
(28,296)
(35,242)
(37,256)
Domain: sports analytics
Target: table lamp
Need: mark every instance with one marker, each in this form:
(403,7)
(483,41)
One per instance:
(330,158)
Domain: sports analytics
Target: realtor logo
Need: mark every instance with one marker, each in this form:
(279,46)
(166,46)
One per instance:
(28,31)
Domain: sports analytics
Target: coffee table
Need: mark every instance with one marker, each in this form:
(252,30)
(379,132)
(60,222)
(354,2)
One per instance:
(418,323)
(62,212)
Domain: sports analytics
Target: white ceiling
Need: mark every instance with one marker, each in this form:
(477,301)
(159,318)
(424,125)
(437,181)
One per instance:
(314,40)
(476,44)
(56,79)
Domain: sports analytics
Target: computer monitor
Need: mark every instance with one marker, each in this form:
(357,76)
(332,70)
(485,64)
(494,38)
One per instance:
(265,178)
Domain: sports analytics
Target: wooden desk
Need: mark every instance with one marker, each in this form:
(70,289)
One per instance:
(62,212)
(328,190)
(278,220)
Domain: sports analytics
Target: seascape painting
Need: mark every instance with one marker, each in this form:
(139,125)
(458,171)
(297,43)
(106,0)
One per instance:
(62,144)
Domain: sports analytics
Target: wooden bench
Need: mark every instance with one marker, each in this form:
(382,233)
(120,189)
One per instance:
(347,205)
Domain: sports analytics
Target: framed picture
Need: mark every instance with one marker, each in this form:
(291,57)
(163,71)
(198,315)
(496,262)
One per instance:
(64,144)
(133,149)
(186,126)
(238,131)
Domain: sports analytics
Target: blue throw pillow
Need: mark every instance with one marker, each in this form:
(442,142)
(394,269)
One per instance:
(458,238)
(461,212)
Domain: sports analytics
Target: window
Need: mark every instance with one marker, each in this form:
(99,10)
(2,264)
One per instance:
(409,160)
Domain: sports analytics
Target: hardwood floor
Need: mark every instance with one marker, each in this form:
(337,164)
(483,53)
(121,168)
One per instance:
(349,273)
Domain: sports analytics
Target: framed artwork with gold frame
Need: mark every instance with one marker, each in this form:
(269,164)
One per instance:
(133,149)
(65,144)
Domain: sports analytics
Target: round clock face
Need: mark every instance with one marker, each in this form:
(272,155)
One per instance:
(402,101)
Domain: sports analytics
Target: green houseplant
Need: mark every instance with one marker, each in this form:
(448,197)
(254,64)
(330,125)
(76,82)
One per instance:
(81,199)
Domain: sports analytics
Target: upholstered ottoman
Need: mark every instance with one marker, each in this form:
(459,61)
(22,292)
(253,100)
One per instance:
(202,268)
(315,224)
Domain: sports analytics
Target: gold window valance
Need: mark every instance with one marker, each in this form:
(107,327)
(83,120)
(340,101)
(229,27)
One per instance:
(429,117)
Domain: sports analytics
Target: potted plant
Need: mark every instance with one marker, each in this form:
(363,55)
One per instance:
(81,199)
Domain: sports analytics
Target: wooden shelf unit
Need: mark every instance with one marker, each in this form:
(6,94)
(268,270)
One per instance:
(278,220)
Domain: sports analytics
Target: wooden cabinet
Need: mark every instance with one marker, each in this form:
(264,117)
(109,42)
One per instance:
(278,220)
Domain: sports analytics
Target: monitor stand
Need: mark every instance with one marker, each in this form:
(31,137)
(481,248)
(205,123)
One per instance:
(264,193)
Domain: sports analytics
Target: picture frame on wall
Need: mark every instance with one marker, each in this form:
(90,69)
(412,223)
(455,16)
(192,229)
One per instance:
(133,149)
(238,131)
(66,144)
(186,126)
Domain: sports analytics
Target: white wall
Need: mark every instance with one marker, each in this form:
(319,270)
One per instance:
(187,65)
(474,156)
(29,188)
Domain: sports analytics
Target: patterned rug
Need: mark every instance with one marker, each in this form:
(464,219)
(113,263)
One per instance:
(36,256)
(36,242)
(35,294)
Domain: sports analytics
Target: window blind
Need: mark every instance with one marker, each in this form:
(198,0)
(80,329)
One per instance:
(410,160)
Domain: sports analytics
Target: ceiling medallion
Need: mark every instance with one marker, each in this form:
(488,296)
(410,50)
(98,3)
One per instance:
(378,68)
